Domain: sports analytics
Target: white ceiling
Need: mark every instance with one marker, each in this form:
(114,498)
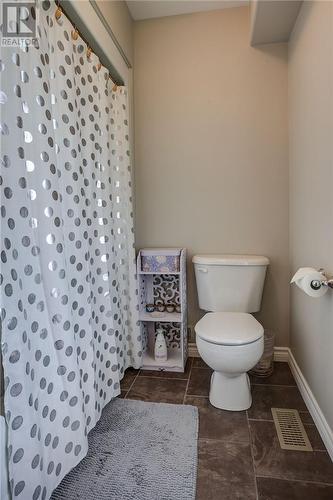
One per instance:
(141,9)
(273,21)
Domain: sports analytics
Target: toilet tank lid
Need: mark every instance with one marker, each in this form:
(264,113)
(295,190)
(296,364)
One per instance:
(231,260)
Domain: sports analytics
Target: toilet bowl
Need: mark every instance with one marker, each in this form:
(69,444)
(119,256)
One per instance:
(229,339)
(231,344)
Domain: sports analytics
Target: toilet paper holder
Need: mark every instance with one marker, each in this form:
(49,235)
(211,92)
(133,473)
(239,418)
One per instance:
(316,284)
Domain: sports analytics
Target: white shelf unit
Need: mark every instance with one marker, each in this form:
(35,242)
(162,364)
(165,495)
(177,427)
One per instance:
(164,287)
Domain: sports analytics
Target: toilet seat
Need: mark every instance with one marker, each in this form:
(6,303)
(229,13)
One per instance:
(229,328)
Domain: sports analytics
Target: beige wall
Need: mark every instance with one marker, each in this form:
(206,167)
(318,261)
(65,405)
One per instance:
(311,184)
(119,19)
(211,146)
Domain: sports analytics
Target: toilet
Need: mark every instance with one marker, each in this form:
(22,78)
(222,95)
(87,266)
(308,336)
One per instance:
(229,339)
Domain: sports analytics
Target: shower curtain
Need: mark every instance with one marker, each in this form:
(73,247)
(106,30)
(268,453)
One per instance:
(69,306)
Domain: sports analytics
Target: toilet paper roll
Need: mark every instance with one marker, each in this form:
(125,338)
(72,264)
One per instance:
(303,279)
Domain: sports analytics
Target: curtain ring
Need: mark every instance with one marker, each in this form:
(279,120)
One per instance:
(58,13)
(75,34)
(114,88)
(89,51)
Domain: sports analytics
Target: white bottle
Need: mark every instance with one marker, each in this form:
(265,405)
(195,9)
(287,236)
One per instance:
(160,351)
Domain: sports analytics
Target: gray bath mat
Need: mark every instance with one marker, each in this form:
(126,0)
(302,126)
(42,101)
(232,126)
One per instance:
(137,451)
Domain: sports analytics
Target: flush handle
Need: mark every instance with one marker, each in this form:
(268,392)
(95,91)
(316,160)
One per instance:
(203,269)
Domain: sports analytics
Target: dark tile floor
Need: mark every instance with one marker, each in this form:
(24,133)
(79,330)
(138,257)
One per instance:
(239,454)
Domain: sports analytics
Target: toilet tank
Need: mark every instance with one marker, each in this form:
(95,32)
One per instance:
(232,283)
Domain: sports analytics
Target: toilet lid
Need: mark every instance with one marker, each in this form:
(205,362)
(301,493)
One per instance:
(229,328)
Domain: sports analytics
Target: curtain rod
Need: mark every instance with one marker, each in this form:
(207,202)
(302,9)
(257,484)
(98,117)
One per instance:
(106,25)
(75,33)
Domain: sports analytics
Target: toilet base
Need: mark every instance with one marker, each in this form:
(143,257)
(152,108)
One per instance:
(230,392)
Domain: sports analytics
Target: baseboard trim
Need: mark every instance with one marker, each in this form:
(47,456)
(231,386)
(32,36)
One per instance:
(319,419)
(192,350)
(281,354)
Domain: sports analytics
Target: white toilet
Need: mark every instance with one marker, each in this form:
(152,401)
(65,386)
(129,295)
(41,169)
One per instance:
(229,339)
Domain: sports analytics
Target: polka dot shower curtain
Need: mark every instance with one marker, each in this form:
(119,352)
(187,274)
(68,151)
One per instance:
(68,285)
